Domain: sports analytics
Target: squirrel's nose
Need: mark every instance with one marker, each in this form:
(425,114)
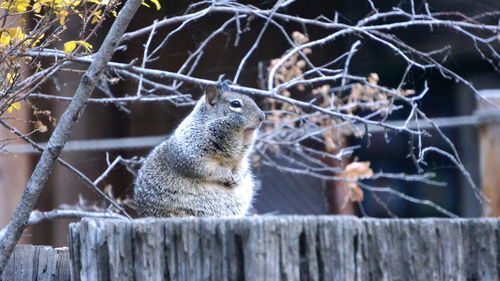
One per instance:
(262,116)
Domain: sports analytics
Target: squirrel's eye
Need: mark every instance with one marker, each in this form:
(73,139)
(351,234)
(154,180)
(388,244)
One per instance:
(235,103)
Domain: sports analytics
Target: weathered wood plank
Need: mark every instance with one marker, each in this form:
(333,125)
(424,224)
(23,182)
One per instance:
(286,248)
(37,263)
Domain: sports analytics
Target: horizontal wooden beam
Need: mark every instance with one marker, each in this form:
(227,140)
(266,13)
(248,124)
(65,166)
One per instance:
(285,248)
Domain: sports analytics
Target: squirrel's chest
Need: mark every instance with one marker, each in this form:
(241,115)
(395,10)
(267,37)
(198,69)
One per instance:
(227,201)
(245,192)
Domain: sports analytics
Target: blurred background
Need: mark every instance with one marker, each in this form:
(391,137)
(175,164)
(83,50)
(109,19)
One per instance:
(280,192)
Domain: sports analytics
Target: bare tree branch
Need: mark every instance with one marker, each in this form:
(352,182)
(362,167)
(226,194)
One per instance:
(160,74)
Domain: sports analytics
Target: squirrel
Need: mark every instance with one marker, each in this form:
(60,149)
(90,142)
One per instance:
(203,168)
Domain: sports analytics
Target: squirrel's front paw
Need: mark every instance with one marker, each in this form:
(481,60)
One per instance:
(233,180)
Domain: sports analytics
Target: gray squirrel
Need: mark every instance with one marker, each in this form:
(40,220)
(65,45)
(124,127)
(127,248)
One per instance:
(203,168)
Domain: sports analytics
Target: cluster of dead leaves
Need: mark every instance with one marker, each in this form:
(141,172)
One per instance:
(294,67)
(39,125)
(291,69)
(361,96)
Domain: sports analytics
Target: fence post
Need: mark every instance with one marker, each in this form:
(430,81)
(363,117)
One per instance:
(489,149)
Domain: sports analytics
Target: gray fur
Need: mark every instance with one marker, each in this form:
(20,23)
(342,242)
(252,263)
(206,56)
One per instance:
(202,169)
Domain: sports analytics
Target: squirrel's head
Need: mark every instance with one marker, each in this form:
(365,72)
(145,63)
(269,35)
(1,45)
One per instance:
(237,109)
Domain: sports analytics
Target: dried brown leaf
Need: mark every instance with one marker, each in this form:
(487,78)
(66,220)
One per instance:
(352,173)
(39,126)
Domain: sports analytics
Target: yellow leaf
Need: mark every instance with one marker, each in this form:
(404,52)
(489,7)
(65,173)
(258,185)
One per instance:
(144,4)
(157,4)
(10,77)
(16,105)
(17,33)
(19,6)
(22,5)
(9,35)
(37,40)
(96,16)
(71,45)
(5,38)
(87,46)
(63,15)
(37,7)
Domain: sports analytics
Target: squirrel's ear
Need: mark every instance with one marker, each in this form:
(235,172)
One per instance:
(211,93)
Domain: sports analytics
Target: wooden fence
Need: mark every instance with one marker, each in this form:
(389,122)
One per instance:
(286,248)
(268,248)
(37,263)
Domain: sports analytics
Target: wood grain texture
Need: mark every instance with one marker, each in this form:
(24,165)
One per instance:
(37,263)
(285,248)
